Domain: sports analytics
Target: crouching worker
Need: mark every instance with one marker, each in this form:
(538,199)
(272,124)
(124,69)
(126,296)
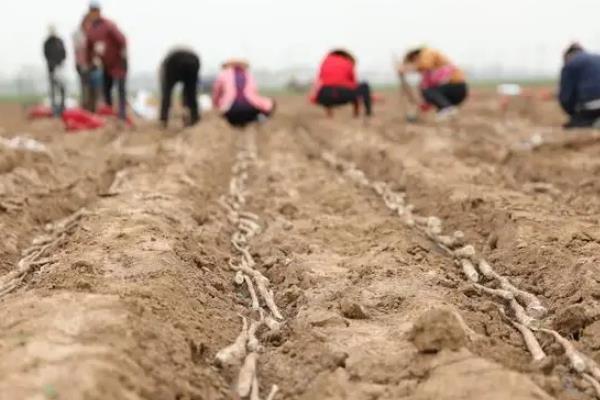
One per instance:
(443,85)
(580,88)
(235,95)
(336,84)
(180,66)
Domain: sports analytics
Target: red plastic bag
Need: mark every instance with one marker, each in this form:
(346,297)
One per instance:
(107,111)
(425,107)
(377,98)
(40,112)
(76,119)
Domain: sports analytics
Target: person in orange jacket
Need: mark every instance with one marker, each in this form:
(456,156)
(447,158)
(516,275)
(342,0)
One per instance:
(443,84)
(337,85)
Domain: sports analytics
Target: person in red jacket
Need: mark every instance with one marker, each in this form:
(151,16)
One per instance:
(105,42)
(337,85)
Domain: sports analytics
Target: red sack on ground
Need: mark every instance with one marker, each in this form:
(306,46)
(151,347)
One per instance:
(377,98)
(40,112)
(504,103)
(425,107)
(547,95)
(107,111)
(76,119)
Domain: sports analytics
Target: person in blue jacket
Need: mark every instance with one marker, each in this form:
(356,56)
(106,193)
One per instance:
(580,88)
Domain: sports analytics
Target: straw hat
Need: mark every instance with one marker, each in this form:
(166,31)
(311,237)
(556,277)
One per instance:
(235,62)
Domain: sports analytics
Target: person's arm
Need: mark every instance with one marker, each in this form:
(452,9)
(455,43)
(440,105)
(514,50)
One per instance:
(119,38)
(568,89)
(63,52)
(352,76)
(217,91)
(403,69)
(47,49)
(89,50)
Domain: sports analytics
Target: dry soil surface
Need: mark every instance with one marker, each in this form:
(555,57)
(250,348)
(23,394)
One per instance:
(120,265)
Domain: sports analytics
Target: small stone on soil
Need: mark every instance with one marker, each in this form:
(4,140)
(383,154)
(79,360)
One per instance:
(353,310)
(436,330)
(571,320)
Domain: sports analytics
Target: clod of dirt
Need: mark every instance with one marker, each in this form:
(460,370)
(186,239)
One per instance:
(289,210)
(541,187)
(436,330)
(545,365)
(337,385)
(460,375)
(322,319)
(330,386)
(591,336)
(291,295)
(571,320)
(353,310)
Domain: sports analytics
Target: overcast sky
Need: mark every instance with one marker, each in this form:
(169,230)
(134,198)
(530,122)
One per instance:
(528,34)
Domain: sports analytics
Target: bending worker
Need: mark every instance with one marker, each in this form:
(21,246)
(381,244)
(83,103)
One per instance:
(580,88)
(443,84)
(180,66)
(236,96)
(336,84)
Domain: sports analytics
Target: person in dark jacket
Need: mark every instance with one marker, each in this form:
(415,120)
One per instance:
(107,43)
(55,54)
(180,66)
(337,85)
(580,88)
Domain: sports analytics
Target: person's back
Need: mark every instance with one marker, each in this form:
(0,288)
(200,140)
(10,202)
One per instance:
(235,84)
(55,55)
(178,61)
(337,70)
(336,84)
(180,66)
(584,70)
(580,87)
(236,96)
(106,41)
(54,52)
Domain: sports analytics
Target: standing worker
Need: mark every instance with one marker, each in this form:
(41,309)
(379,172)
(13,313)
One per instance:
(106,42)
(443,85)
(580,88)
(236,96)
(55,54)
(85,71)
(180,65)
(337,85)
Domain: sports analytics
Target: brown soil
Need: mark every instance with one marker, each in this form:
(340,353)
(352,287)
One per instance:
(136,297)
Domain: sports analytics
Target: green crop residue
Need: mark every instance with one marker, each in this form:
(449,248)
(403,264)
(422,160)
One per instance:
(50,392)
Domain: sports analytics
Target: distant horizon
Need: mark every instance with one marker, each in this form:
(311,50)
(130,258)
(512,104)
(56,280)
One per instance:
(525,35)
(36,83)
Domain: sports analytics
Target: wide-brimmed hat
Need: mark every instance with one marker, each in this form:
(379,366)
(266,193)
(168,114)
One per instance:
(235,62)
